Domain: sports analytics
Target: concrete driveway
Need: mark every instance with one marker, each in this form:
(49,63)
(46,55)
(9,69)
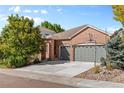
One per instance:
(58,68)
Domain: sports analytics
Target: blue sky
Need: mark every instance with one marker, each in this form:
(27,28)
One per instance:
(69,16)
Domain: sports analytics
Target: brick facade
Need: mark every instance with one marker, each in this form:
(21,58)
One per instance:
(85,36)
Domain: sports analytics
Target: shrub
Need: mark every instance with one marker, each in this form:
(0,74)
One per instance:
(15,61)
(117,65)
(20,61)
(3,64)
(19,40)
(103,61)
(109,66)
(96,69)
(7,62)
(33,59)
(36,61)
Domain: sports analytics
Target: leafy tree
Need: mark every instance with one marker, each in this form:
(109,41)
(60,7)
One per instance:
(118,11)
(20,40)
(56,27)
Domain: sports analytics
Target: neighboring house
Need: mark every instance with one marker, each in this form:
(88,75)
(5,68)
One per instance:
(84,43)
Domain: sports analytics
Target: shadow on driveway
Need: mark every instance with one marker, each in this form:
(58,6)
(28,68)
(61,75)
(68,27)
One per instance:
(52,62)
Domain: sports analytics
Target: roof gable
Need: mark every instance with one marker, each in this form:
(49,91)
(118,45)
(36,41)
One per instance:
(69,34)
(88,26)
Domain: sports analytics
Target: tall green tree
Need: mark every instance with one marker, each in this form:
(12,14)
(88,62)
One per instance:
(118,11)
(20,40)
(56,27)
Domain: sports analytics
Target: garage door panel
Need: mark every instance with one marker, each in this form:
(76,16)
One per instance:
(76,53)
(90,54)
(100,52)
(86,53)
(83,56)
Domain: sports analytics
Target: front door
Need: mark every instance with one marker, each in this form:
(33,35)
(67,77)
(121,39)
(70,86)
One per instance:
(64,53)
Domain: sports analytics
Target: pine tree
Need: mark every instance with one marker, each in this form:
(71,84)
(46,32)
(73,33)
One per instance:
(115,52)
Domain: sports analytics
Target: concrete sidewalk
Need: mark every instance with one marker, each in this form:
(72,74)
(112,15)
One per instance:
(74,82)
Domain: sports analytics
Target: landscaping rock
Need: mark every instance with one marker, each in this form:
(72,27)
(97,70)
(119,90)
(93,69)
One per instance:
(105,74)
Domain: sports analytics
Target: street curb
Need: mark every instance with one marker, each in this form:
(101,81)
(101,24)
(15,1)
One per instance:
(74,82)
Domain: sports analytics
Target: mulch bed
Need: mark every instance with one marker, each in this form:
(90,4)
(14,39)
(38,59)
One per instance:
(104,74)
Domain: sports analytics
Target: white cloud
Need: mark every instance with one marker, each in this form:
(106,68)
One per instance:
(112,29)
(44,12)
(3,17)
(59,9)
(16,9)
(36,11)
(11,8)
(27,11)
(37,20)
(28,17)
(3,20)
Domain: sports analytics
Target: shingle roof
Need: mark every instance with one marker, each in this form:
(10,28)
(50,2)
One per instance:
(43,29)
(71,32)
(46,32)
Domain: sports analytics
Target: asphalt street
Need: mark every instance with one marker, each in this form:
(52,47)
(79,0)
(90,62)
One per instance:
(7,81)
